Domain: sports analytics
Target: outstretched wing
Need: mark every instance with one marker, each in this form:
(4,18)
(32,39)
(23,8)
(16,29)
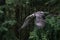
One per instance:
(26,22)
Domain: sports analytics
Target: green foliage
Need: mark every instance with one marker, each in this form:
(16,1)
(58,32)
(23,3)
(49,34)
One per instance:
(53,23)
(8,19)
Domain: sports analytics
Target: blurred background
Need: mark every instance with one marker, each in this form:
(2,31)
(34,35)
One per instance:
(14,12)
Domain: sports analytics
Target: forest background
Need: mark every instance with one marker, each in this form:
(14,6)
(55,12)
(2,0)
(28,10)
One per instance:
(14,12)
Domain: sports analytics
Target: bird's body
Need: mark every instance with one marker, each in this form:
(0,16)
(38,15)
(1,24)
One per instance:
(39,19)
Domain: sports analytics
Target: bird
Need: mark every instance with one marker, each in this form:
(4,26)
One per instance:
(39,19)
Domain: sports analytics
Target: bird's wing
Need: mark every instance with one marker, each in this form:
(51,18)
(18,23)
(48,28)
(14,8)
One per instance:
(26,22)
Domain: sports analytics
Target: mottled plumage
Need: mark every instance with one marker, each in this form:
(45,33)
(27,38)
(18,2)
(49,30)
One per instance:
(39,20)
